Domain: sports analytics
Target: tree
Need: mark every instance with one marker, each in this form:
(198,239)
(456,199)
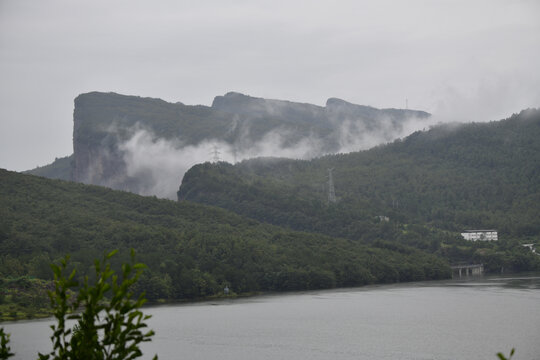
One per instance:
(502,357)
(109,326)
(5,350)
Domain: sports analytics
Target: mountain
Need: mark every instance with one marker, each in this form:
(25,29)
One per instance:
(441,181)
(192,250)
(60,168)
(133,143)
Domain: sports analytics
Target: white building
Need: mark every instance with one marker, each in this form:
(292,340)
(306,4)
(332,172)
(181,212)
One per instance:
(480,235)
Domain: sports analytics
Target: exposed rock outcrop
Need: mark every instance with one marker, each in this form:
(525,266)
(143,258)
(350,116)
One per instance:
(246,126)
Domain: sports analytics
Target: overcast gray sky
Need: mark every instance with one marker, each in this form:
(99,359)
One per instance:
(462,60)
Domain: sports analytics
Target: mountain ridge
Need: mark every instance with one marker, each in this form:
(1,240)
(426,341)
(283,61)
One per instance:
(107,125)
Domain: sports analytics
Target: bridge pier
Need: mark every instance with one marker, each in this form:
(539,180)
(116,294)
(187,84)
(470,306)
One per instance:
(468,270)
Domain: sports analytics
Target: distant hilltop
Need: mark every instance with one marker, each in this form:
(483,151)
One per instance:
(114,135)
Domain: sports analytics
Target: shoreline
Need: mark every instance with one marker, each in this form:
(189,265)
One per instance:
(232,297)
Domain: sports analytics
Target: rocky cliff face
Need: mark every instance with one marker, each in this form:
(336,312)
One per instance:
(97,159)
(133,143)
(102,165)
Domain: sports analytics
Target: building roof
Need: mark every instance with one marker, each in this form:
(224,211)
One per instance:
(473,231)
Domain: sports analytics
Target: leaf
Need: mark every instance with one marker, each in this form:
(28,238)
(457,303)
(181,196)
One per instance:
(111,254)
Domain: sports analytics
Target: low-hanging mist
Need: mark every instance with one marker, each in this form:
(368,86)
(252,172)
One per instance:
(159,164)
(145,145)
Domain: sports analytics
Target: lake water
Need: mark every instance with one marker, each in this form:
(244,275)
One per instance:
(471,319)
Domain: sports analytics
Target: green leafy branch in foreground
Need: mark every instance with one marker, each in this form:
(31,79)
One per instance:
(110,324)
(5,350)
(502,357)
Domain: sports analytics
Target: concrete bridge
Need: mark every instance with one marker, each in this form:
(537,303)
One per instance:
(467,270)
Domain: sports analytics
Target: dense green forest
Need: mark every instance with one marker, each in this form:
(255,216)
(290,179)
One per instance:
(60,168)
(430,186)
(192,250)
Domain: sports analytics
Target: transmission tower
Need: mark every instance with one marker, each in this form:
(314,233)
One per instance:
(331,190)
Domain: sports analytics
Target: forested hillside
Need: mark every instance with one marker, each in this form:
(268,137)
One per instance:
(397,215)
(61,168)
(192,250)
(428,185)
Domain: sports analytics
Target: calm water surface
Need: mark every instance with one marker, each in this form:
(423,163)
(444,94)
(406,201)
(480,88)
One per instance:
(433,320)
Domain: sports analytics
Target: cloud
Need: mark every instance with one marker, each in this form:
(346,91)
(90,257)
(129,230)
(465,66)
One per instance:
(158,164)
(355,136)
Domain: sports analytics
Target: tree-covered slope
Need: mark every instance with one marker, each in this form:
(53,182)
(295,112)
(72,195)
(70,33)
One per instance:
(452,177)
(60,168)
(192,250)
